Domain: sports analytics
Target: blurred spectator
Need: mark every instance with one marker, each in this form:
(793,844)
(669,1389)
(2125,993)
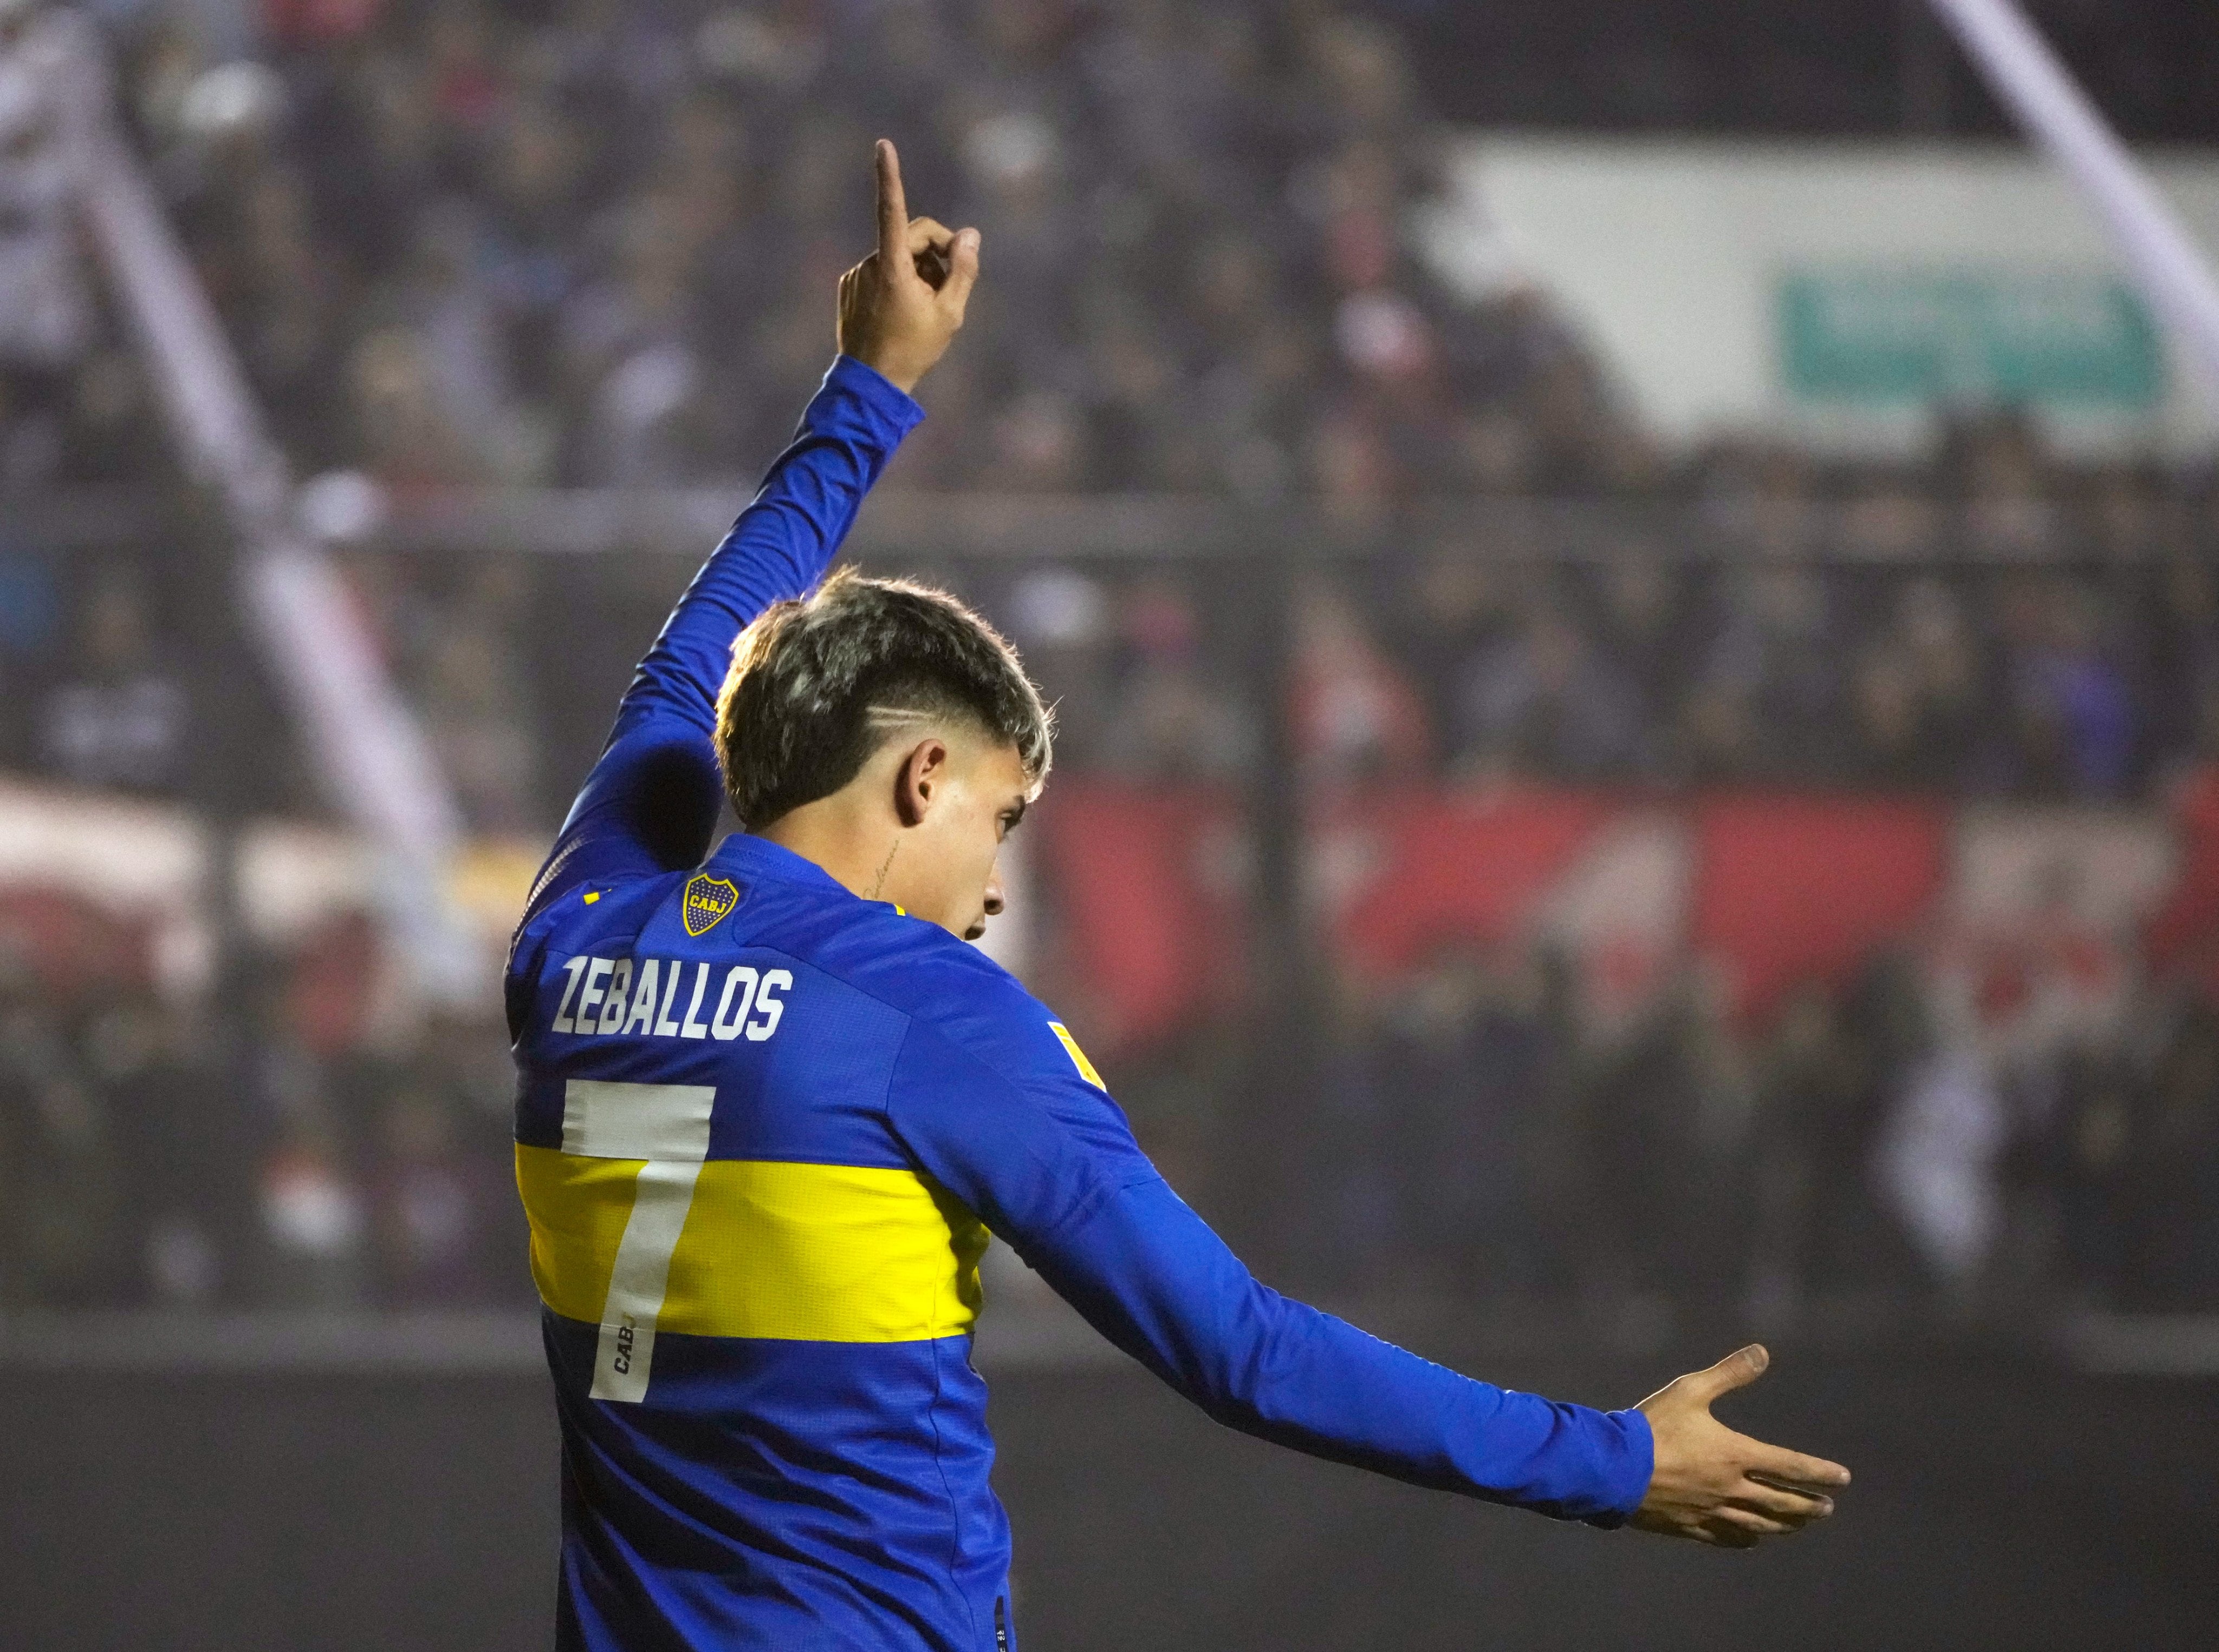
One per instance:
(1179,719)
(2075,719)
(1453,608)
(61,1173)
(32,630)
(1768,700)
(460,648)
(310,1203)
(1355,717)
(1061,619)
(183,1146)
(120,719)
(2181,662)
(2169,1213)
(424,1209)
(1820,1079)
(1918,695)
(1665,1122)
(46,324)
(1641,613)
(1470,1050)
(1546,702)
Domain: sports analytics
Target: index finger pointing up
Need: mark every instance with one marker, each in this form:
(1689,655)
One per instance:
(894,210)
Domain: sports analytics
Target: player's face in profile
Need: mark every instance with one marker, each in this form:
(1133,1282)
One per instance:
(957,882)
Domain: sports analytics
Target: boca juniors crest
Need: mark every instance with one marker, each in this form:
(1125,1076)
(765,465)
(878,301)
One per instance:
(707,900)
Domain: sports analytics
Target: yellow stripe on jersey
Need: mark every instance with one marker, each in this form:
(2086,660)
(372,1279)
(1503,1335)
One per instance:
(1078,1056)
(794,1253)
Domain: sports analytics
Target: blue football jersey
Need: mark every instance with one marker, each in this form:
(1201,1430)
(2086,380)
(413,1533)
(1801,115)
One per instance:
(763,1128)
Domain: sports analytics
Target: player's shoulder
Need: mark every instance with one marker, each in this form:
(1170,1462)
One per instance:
(593,910)
(591,916)
(916,966)
(951,990)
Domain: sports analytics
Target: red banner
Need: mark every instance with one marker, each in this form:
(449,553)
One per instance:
(1147,884)
(1790,891)
(1408,874)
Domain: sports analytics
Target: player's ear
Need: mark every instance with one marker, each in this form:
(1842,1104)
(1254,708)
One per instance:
(919,781)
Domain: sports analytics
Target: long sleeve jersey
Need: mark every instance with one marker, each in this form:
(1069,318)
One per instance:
(763,1129)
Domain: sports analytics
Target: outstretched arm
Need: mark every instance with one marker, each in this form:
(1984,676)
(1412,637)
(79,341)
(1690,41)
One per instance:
(1151,1276)
(1002,1114)
(651,801)
(1014,1125)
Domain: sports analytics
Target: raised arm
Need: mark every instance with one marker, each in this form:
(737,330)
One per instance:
(651,803)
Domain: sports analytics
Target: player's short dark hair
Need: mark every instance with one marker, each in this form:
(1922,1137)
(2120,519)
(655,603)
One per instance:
(818,685)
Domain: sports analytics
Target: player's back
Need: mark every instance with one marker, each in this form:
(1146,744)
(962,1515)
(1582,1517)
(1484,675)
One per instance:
(733,1082)
(757,1310)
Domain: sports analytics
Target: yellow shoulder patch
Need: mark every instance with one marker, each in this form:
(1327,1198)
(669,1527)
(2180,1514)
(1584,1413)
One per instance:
(707,902)
(1078,1056)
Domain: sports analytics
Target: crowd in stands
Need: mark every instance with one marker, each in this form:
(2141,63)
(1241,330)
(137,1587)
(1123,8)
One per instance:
(1655,662)
(587,243)
(1660,658)
(583,242)
(1849,1162)
(578,243)
(151,1155)
(1846,1164)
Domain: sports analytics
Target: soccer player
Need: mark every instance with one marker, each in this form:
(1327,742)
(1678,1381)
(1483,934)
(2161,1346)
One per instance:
(770,1105)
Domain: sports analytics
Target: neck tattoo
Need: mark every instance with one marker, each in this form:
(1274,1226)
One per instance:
(880,882)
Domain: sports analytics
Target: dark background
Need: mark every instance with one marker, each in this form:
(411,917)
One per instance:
(1797,67)
(1999,1504)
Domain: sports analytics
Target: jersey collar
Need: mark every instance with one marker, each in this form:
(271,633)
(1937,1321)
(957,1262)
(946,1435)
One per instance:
(758,857)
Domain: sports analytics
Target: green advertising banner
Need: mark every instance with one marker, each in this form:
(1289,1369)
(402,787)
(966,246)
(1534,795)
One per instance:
(1963,336)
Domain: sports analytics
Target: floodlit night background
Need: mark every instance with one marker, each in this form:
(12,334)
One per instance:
(1632,591)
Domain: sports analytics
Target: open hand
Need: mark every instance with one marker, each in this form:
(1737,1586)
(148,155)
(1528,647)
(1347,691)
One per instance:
(1718,1486)
(901,307)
